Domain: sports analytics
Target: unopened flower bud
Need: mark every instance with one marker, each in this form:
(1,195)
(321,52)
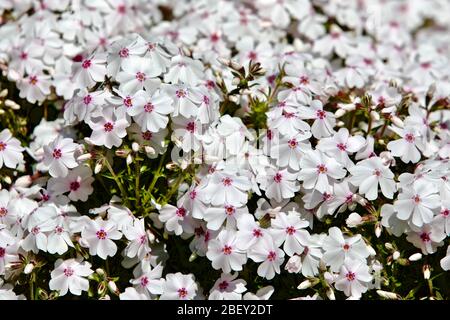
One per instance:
(135,146)
(98,167)
(7,179)
(389,246)
(193,256)
(388,295)
(129,159)
(330,293)
(28,268)
(113,287)
(304,285)
(426,271)
(122,153)
(340,124)
(84,157)
(235,81)
(101,289)
(3,93)
(354,220)
(23,182)
(149,150)
(236,66)
(397,121)
(339,113)
(396,255)
(375,116)
(378,229)
(357,198)
(100,272)
(12,104)
(415,257)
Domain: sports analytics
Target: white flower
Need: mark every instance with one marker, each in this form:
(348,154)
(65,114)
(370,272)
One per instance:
(324,121)
(407,148)
(109,128)
(176,219)
(224,253)
(428,238)
(288,228)
(139,240)
(227,287)
(185,70)
(137,74)
(317,169)
(90,70)
(215,216)
(179,286)
(445,262)
(70,275)
(78,183)
(417,204)
(270,255)
(278,185)
(10,150)
(98,236)
(337,248)
(368,174)
(59,156)
(249,232)
(150,282)
(6,237)
(34,87)
(353,278)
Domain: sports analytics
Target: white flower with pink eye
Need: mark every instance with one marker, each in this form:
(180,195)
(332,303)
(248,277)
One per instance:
(249,232)
(409,146)
(90,70)
(83,106)
(59,156)
(417,204)
(139,240)
(278,185)
(270,255)
(184,70)
(150,283)
(186,99)
(224,254)
(226,188)
(8,254)
(137,73)
(354,278)
(70,276)
(227,287)
(176,219)
(337,248)
(34,87)
(78,183)
(428,238)
(10,150)
(151,111)
(290,150)
(340,145)
(289,228)
(318,170)
(109,128)
(324,121)
(6,238)
(131,293)
(179,286)
(368,174)
(187,133)
(443,217)
(98,235)
(216,216)
(121,50)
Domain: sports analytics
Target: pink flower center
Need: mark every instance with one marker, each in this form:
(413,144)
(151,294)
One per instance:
(206,100)
(257,233)
(290,230)
(3,212)
(288,115)
(304,80)
(151,46)
(35,230)
(124,53)
(57,153)
(87,99)
(101,234)
(335,35)
(409,137)
(342,146)
(346,247)
(193,194)
(143,239)
(223,285)
(425,65)
(377,173)
(326,196)
(122,9)
(59,229)
(68,272)
(350,276)
(74,185)
(230,210)
(321,114)
(144,281)
(321,168)
(278,177)
(425,237)
(181,212)
(23,55)
(2,252)
(215,37)
(416,199)
(108,127)
(182,293)
(269,134)
(190,127)
(444,212)
(128,101)
(292,143)
(147,135)
(227,250)
(227,181)
(349,198)
(33,80)
(149,107)
(2,146)
(180,93)
(140,76)
(272,256)
(252,55)
(86,64)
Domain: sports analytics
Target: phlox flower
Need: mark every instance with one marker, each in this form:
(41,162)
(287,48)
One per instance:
(59,156)
(109,128)
(354,278)
(10,150)
(224,253)
(98,236)
(179,286)
(70,276)
(78,183)
(270,255)
(289,228)
(278,185)
(227,287)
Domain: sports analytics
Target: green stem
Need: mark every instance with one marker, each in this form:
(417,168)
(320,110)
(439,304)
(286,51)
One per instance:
(137,186)
(116,179)
(154,180)
(32,288)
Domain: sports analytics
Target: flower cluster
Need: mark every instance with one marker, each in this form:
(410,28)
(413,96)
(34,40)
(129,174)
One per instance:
(208,149)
